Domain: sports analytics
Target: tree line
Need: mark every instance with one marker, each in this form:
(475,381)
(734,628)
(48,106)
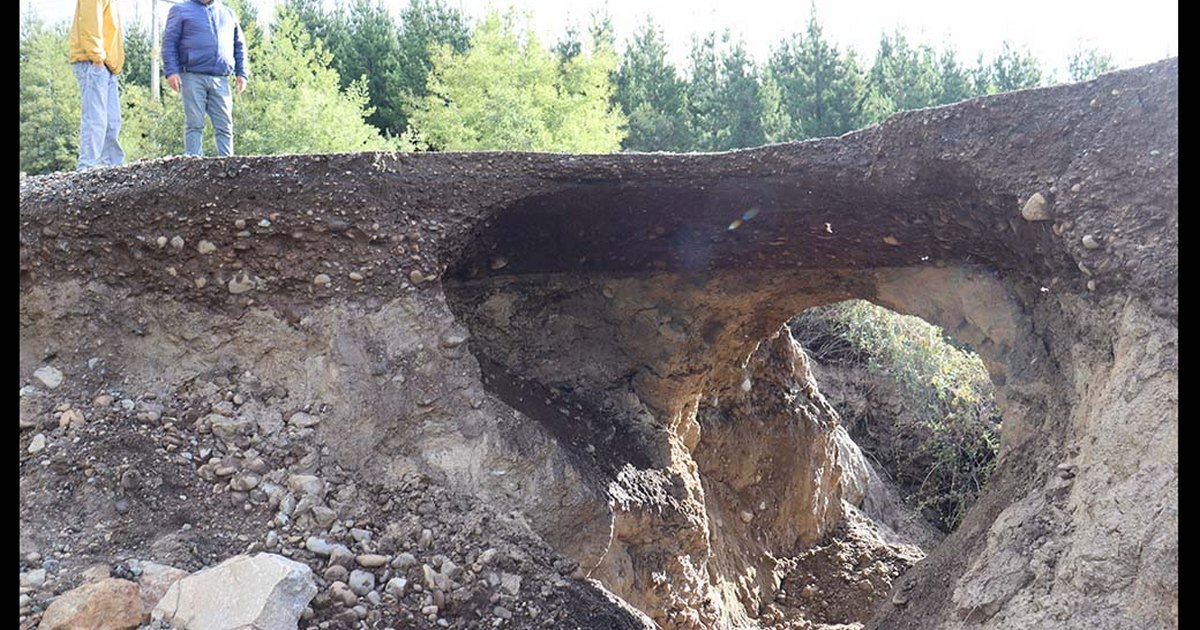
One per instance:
(357,78)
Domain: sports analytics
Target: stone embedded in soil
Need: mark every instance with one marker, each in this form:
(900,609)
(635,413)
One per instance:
(341,592)
(324,516)
(342,555)
(37,444)
(336,573)
(206,247)
(395,587)
(303,420)
(49,376)
(111,604)
(263,591)
(371,560)
(230,429)
(244,481)
(318,546)
(404,560)
(1035,208)
(306,484)
(240,283)
(510,583)
(34,579)
(361,582)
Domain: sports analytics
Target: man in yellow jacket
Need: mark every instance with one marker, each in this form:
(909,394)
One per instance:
(97,56)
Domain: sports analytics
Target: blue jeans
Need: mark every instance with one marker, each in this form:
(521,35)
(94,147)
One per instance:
(100,122)
(204,93)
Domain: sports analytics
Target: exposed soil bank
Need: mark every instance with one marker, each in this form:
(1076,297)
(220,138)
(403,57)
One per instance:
(591,343)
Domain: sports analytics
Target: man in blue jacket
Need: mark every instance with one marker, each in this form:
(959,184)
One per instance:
(202,45)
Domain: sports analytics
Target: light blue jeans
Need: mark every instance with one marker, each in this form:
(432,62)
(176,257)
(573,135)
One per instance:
(100,122)
(204,93)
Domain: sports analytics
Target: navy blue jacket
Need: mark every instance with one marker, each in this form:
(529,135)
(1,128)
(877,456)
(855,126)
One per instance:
(205,39)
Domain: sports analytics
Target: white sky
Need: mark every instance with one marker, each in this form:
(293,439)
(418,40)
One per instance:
(1133,32)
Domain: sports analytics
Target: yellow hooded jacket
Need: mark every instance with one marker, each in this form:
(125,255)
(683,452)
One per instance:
(96,34)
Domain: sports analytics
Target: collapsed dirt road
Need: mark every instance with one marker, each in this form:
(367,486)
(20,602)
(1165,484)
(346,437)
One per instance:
(530,390)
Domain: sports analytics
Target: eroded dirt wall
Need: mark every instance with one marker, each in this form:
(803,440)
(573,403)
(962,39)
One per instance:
(1039,225)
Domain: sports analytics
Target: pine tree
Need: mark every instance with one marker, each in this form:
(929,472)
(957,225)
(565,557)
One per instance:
(650,93)
(823,90)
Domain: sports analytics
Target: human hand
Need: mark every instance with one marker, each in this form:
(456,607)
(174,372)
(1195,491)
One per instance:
(241,84)
(173,82)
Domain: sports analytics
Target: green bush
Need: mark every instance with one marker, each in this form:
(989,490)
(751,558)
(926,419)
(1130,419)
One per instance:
(943,451)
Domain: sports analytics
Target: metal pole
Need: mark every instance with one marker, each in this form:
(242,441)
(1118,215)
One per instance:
(155,53)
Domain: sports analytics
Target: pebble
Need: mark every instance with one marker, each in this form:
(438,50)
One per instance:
(343,556)
(355,276)
(35,578)
(404,560)
(1035,208)
(511,583)
(325,517)
(318,546)
(161,242)
(240,224)
(271,540)
(303,420)
(177,242)
(205,247)
(429,610)
(502,612)
(426,539)
(371,560)
(374,597)
(321,280)
(453,340)
(361,582)
(244,481)
(38,443)
(306,484)
(395,587)
(336,573)
(360,535)
(70,418)
(342,593)
(103,400)
(49,376)
(1090,242)
(240,283)
(416,277)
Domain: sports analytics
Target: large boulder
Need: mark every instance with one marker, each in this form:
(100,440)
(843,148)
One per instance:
(109,604)
(263,591)
(154,581)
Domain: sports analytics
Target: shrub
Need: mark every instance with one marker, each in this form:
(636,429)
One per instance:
(943,451)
